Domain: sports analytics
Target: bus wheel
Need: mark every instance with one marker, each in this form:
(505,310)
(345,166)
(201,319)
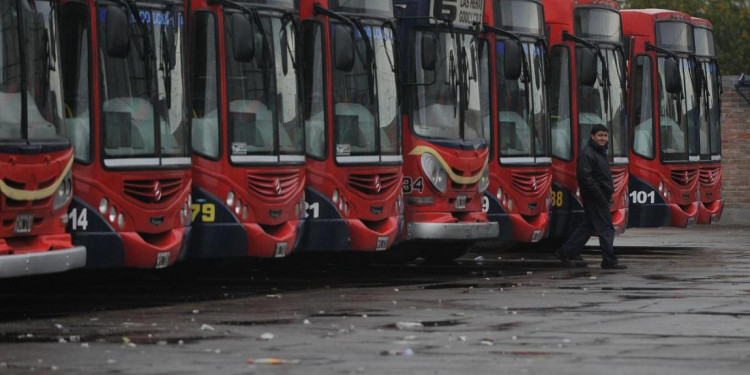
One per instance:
(443,251)
(545,245)
(399,254)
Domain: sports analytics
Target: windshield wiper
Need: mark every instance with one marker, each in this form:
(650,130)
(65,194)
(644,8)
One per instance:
(390,55)
(286,18)
(148,52)
(167,46)
(526,71)
(356,24)
(266,58)
(517,38)
(547,65)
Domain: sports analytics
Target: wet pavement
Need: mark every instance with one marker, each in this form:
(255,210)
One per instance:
(683,307)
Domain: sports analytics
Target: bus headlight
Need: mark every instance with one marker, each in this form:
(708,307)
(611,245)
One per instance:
(103,206)
(64,192)
(484,181)
(112,214)
(434,172)
(230,199)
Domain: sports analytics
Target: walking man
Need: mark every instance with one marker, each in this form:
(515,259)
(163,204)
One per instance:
(596,185)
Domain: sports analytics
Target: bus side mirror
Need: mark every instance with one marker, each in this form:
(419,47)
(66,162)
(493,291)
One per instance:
(118,32)
(243,38)
(672,76)
(343,44)
(428,47)
(588,70)
(512,60)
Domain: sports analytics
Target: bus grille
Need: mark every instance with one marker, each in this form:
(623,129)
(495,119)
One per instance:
(153,191)
(710,175)
(618,178)
(277,184)
(373,183)
(684,177)
(533,182)
(25,204)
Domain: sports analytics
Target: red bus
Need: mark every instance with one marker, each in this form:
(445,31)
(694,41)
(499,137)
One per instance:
(446,112)
(711,199)
(247,134)
(352,124)
(36,160)
(587,87)
(664,99)
(125,113)
(519,136)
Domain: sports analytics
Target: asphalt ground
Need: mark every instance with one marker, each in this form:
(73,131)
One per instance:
(682,307)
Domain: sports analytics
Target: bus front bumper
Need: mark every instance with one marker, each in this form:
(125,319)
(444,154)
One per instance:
(38,263)
(452,231)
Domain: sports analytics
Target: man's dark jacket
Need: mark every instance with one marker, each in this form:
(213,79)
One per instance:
(594,176)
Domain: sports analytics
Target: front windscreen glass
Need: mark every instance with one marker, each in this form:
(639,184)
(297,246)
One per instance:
(677,115)
(604,103)
(142,92)
(263,113)
(522,109)
(377,8)
(675,36)
(42,95)
(690,98)
(522,16)
(711,71)
(365,108)
(445,101)
(559,103)
(598,24)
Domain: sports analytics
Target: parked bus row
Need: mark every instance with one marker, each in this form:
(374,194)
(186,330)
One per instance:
(140,133)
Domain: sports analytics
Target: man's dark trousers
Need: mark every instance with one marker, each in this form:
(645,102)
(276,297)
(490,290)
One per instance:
(595,218)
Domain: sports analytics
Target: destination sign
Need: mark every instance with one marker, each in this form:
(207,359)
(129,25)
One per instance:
(461,12)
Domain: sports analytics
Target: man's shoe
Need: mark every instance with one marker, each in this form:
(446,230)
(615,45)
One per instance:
(616,266)
(566,262)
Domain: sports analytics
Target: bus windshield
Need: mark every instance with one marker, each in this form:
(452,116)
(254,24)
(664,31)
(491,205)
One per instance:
(446,100)
(604,103)
(143,108)
(263,113)
(677,115)
(711,70)
(691,98)
(523,122)
(365,107)
(42,95)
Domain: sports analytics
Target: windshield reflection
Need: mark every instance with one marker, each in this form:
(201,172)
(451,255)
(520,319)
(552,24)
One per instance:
(144,89)
(42,94)
(522,109)
(604,103)
(263,116)
(365,100)
(447,101)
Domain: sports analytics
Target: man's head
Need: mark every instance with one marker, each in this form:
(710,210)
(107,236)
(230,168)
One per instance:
(600,134)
